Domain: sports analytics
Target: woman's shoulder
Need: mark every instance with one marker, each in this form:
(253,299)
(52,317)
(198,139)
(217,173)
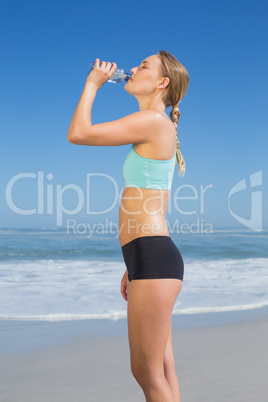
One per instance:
(160,123)
(161,143)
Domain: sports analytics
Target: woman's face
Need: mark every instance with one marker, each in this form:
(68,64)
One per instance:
(145,78)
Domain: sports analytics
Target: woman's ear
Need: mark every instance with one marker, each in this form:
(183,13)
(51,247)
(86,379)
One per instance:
(164,83)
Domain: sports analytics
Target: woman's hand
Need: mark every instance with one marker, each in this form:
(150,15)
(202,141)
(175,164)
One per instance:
(124,283)
(99,75)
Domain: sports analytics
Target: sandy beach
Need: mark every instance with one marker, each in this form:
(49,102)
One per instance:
(218,358)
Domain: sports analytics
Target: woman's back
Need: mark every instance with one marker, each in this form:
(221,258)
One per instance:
(145,197)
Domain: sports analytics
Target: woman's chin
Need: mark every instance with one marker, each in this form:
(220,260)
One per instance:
(127,88)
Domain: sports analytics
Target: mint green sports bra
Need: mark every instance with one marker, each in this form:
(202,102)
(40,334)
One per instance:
(148,173)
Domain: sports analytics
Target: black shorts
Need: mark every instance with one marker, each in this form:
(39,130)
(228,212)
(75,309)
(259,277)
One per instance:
(153,257)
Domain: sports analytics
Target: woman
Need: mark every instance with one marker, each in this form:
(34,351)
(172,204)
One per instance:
(154,274)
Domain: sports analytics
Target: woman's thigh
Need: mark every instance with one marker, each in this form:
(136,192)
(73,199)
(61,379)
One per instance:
(150,305)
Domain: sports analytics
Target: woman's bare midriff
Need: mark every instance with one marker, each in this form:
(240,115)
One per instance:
(142,212)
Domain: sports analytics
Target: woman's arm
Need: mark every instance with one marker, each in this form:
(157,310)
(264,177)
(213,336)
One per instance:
(124,285)
(138,127)
(81,120)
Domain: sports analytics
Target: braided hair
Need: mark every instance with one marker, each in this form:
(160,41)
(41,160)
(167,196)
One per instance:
(174,93)
(175,115)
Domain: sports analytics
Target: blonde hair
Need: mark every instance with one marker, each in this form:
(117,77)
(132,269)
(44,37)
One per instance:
(174,93)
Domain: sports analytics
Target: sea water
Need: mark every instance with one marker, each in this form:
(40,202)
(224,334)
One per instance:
(55,275)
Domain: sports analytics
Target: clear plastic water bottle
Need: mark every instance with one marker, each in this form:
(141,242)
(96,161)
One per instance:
(118,76)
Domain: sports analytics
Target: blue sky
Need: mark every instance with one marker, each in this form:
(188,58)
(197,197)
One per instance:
(46,49)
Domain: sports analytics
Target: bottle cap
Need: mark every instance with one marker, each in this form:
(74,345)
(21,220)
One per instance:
(127,76)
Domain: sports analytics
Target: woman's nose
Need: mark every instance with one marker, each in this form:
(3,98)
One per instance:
(132,70)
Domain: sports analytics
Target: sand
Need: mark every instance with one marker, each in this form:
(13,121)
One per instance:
(217,363)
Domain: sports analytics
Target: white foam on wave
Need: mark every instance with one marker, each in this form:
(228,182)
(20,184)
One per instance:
(201,310)
(117,315)
(66,317)
(56,290)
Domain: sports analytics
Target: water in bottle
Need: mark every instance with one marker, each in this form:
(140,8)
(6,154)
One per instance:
(118,76)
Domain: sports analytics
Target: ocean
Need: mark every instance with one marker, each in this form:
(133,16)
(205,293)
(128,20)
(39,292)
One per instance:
(53,275)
